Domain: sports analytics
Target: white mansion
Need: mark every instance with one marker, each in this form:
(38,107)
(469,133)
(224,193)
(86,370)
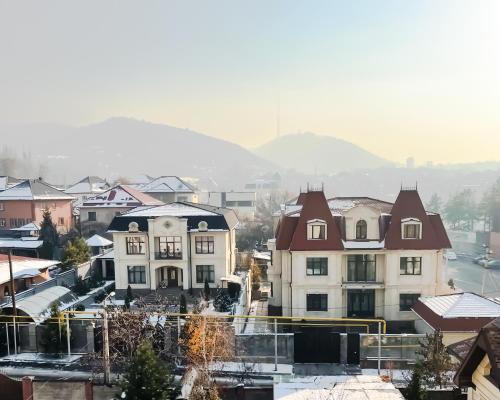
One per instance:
(355,257)
(173,245)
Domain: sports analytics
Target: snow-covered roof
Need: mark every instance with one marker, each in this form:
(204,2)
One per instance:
(21,243)
(262,255)
(98,241)
(358,387)
(30,189)
(38,305)
(28,227)
(462,305)
(89,184)
(22,267)
(166,184)
(172,209)
(7,182)
(365,245)
(121,196)
(108,255)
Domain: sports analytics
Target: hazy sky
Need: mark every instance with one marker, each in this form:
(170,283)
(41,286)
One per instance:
(399,78)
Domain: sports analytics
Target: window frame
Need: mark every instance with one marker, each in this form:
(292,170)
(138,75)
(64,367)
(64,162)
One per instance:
(411,222)
(365,264)
(141,245)
(94,216)
(315,224)
(317,266)
(132,272)
(3,222)
(317,302)
(405,305)
(167,246)
(403,264)
(201,240)
(361,230)
(202,270)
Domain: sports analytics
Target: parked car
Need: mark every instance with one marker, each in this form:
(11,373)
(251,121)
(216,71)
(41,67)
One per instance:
(491,264)
(450,255)
(479,259)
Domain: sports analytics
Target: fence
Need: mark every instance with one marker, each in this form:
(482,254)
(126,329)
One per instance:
(394,347)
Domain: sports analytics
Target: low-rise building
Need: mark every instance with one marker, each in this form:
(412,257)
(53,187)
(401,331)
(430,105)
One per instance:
(178,245)
(169,189)
(96,213)
(26,201)
(480,371)
(457,316)
(356,257)
(89,186)
(243,203)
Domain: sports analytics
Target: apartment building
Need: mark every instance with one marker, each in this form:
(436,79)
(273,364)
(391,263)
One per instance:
(243,203)
(355,257)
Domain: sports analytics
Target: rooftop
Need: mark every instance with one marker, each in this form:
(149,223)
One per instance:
(166,184)
(33,189)
(89,184)
(22,267)
(121,196)
(462,305)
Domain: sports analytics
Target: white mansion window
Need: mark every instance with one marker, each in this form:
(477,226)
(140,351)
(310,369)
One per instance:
(316,229)
(411,228)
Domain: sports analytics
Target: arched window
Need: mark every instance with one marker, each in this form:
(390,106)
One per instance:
(361,229)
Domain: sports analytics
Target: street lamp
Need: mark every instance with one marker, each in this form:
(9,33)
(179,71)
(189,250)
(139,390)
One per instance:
(105,340)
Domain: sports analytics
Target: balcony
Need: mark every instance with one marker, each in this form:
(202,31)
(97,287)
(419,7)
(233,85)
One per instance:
(362,284)
(168,255)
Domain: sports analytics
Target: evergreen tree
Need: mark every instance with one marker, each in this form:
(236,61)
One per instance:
(80,288)
(147,377)
(49,236)
(435,363)
(54,336)
(206,290)
(222,301)
(128,297)
(75,253)
(182,304)
(414,390)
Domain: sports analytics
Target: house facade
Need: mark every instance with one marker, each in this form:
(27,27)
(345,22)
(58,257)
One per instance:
(243,203)
(89,186)
(26,201)
(178,245)
(96,213)
(355,257)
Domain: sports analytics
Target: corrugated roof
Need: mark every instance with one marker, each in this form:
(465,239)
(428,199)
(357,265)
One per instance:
(33,189)
(462,305)
(167,184)
(121,196)
(89,184)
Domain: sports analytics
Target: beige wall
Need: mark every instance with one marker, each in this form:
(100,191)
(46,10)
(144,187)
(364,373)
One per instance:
(484,389)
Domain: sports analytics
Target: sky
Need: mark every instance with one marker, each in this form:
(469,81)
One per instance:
(399,78)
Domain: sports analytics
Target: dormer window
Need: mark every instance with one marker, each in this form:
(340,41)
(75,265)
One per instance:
(316,229)
(411,228)
(361,229)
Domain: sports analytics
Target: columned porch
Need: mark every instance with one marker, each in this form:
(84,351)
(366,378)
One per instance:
(170,277)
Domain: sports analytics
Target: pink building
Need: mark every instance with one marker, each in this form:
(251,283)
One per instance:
(25,202)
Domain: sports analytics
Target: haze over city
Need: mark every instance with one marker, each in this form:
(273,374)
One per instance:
(397,78)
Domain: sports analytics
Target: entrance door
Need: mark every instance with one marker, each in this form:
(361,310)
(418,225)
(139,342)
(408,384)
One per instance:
(353,348)
(361,303)
(316,345)
(172,278)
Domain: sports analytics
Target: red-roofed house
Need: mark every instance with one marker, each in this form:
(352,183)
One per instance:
(96,213)
(356,257)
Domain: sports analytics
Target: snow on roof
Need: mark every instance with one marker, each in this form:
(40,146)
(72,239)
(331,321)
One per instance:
(167,184)
(38,305)
(367,244)
(172,209)
(262,255)
(462,305)
(89,184)
(33,190)
(98,241)
(20,243)
(359,387)
(121,196)
(28,227)
(22,267)
(108,255)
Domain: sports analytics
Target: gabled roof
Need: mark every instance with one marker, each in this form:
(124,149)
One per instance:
(33,189)
(217,218)
(98,241)
(32,226)
(121,196)
(409,205)
(315,206)
(167,184)
(7,182)
(89,184)
(487,343)
(22,267)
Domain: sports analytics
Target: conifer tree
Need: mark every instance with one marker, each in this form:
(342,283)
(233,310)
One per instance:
(128,297)
(182,304)
(435,364)
(206,290)
(49,236)
(414,390)
(222,301)
(147,377)
(54,336)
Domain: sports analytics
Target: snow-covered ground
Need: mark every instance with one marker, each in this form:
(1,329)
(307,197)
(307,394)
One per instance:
(40,358)
(257,325)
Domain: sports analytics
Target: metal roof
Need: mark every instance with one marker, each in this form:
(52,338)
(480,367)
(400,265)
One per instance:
(462,305)
(98,241)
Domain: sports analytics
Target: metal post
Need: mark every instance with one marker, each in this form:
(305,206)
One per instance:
(178,328)
(379,346)
(105,350)
(15,336)
(8,340)
(275,344)
(13,297)
(68,336)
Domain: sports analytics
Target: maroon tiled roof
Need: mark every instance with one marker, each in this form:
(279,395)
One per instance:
(284,232)
(315,206)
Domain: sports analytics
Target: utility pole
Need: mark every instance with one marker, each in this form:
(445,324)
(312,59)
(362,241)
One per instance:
(105,342)
(13,297)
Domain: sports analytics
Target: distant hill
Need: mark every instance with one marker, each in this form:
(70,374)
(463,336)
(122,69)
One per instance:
(127,147)
(310,154)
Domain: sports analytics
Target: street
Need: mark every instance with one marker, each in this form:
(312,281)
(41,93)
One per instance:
(468,277)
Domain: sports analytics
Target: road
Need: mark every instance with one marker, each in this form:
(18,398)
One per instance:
(469,277)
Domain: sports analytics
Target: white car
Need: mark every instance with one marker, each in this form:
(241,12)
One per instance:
(450,255)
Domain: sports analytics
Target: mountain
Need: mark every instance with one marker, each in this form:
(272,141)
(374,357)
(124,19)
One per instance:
(126,147)
(315,154)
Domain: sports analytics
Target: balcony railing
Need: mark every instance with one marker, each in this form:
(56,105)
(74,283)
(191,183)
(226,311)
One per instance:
(351,284)
(166,255)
